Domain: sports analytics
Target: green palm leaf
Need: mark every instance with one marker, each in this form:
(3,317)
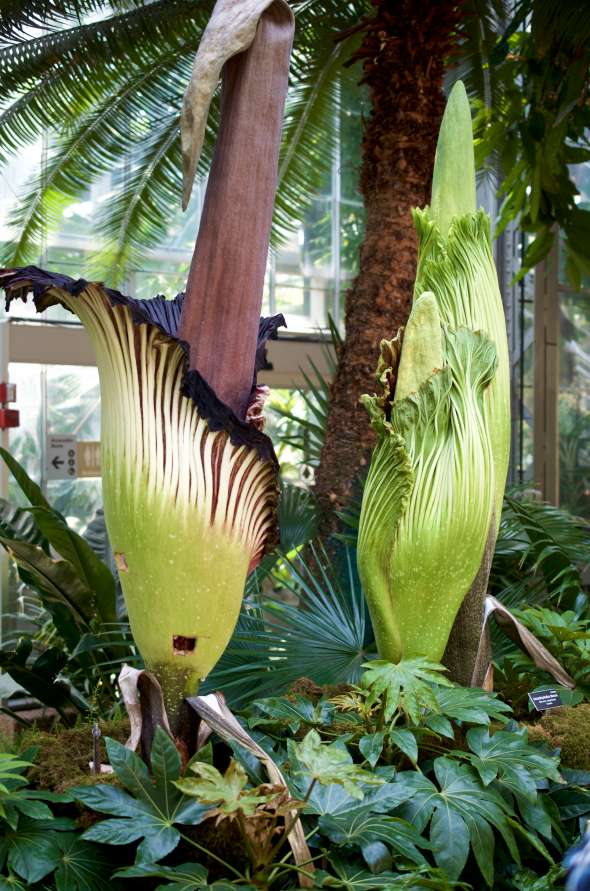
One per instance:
(152,186)
(101,82)
(325,635)
(540,554)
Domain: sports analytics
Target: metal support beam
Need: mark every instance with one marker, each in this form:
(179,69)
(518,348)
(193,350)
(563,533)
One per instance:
(53,344)
(546,379)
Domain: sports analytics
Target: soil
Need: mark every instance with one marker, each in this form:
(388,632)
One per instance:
(64,753)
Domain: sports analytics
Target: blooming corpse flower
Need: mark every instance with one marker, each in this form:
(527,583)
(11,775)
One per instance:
(190,481)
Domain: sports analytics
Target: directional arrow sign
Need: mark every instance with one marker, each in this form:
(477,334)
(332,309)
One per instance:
(61,463)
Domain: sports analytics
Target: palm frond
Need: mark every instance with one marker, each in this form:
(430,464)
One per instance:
(540,555)
(481,23)
(83,78)
(62,98)
(298,517)
(554,21)
(98,48)
(21,16)
(103,137)
(140,212)
(310,131)
(322,632)
(137,214)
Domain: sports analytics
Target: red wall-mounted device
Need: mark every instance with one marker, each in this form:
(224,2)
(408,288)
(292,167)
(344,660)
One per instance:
(9,417)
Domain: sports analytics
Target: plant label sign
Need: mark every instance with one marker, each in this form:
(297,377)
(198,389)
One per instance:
(61,457)
(88,458)
(544,699)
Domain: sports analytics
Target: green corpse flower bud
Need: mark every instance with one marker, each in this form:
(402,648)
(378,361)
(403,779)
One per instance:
(438,471)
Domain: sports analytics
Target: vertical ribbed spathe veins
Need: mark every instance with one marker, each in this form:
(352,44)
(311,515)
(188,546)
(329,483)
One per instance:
(190,491)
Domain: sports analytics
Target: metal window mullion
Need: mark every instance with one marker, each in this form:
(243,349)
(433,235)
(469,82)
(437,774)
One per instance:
(546,378)
(336,197)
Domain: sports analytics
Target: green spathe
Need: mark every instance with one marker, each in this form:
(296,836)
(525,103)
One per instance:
(435,486)
(427,502)
(422,353)
(182,578)
(460,270)
(455,261)
(187,511)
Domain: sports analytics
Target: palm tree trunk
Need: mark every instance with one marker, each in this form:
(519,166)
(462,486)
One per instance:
(404,51)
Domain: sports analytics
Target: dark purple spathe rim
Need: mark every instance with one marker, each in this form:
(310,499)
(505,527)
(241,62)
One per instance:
(164,315)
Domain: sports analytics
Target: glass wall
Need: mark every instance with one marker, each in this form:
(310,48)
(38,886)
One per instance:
(306,274)
(56,399)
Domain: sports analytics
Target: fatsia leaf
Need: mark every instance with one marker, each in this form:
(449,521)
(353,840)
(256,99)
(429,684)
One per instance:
(82,866)
(457,809)
(33,850)
(371,746)
(407,685)
(334,800)
(469,705)
(185,877)
(353,876)
(152,808)
(406,742)
(509,756)
(449,837)
(226,791)
(330,763)
(363,829)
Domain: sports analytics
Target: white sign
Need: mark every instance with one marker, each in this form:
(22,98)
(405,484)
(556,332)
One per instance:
(88,458)
(61,461)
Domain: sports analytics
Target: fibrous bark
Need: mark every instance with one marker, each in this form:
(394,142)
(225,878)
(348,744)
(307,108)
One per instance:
(403,52)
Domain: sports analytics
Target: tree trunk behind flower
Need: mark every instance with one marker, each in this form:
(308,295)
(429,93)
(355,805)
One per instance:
(404,52)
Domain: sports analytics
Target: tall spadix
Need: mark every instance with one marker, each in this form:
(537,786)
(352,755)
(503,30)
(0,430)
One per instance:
(453,178)
(437,475)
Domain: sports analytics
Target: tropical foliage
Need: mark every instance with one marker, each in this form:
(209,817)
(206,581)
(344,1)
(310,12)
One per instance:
(442,419)
(126,105)
(107,81)
(71,627)
(405,780)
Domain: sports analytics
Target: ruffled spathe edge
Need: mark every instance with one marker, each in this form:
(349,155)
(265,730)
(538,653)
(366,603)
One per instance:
(164,315)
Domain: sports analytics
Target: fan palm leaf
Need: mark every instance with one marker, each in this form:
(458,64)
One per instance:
(316,627)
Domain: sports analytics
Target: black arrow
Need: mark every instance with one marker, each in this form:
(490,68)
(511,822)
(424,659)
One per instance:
(57,462)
